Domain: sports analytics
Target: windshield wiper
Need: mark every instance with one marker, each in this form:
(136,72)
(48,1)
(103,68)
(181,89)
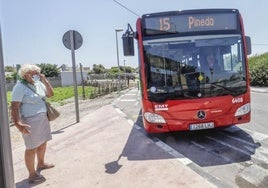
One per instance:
(230,91)
(162,97)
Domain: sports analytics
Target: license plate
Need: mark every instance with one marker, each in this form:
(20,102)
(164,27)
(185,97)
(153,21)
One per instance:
(200,126)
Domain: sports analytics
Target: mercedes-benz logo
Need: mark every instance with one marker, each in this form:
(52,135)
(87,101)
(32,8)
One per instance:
(201,114)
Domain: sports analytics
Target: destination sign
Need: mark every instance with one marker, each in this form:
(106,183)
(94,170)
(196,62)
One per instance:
(183,23)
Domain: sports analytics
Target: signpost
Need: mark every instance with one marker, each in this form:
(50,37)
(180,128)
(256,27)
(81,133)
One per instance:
(73,40)
(6,163)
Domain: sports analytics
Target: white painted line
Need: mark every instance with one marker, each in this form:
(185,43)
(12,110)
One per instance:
(230,146)
(198,145)
(137,127)
(241,140)
(174,153)
(128,100)
(130,122)
(256,135)
(211,151)
(263,150)
(120,111)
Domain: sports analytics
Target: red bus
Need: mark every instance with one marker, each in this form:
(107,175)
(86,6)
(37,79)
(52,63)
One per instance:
(193,69)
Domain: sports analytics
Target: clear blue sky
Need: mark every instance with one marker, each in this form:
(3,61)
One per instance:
(32,30)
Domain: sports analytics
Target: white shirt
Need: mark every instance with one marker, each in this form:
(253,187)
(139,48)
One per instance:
(32,103)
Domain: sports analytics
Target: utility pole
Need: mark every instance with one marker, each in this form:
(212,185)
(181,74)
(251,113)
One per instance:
(6,163)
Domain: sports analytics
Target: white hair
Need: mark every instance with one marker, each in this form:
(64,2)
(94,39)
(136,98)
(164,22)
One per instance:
(28,68)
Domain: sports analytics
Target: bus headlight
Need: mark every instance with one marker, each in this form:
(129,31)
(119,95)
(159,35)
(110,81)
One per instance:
(243,110)
(153,118)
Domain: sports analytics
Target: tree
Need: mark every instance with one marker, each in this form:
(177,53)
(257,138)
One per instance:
(129,69)
(49,70)
(98,69)
(9,69)
(114,70)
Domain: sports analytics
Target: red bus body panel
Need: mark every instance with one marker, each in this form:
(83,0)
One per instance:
(180,114)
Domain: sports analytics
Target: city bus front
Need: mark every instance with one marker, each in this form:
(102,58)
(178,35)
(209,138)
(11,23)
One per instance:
(193,80)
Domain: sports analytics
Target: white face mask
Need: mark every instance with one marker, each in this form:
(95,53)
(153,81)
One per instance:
(35,78)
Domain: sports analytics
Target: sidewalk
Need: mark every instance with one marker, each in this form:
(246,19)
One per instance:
(259,89)
(105,150)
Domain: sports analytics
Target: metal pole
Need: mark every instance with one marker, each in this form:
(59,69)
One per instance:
(125,71)
(6,163)
(83,85)
(74,76)
(117,55)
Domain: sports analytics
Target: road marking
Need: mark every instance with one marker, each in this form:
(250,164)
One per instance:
(258,153)
(128,100)
(254,145)
(256,135)
(263,150)
(120,112)
(226,159)
(130,121)
(180,157)
(230,146)
(131,94)
(137,127)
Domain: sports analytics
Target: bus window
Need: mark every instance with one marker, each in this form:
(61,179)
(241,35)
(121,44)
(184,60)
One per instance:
(233,59)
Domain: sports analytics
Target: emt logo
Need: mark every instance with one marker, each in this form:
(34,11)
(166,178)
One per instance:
(160,107)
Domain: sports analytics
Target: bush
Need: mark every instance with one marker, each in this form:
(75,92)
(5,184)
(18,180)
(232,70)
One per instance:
(258,68)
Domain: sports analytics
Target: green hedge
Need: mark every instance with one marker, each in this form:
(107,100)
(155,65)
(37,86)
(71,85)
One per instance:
(258,68)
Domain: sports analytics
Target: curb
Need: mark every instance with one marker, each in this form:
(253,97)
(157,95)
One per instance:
(253,177)
(259,90)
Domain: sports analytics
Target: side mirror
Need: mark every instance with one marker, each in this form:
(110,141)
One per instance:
(248,45)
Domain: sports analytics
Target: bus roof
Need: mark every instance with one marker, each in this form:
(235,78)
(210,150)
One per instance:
(192,11)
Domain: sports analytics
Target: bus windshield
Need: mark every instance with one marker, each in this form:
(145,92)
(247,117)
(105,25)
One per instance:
(194,67)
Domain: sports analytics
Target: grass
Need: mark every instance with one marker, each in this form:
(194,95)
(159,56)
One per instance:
(63,93)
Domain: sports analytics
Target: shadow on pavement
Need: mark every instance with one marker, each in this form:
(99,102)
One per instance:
(114,166)
(205,148)
(24,184)
(212,147)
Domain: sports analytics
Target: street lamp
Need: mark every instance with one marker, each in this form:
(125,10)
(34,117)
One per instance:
(117,55)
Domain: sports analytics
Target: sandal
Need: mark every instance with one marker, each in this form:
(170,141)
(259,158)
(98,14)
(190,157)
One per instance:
(37,179)
(46,166)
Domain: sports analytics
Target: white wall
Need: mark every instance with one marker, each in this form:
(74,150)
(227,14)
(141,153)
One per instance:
(67,78)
